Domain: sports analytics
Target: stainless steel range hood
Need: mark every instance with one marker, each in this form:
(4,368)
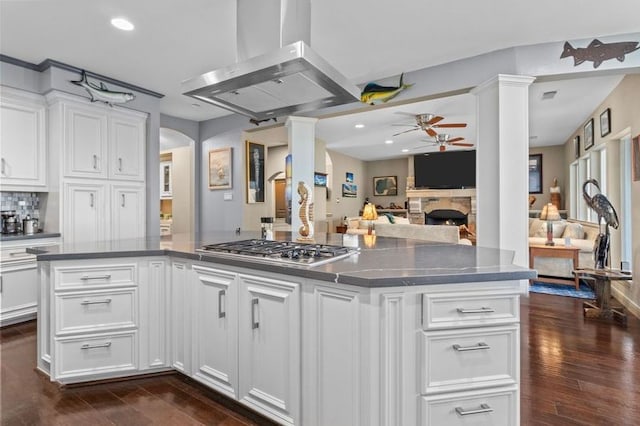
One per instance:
(282,80)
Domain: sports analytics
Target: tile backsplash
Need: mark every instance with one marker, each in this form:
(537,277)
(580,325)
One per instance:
(23,203)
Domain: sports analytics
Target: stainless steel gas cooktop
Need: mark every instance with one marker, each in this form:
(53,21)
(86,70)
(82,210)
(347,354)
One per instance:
(280,252)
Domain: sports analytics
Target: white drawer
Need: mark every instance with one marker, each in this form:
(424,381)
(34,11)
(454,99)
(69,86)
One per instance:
(480,408)
(95,311)
(15,253)
(70,277)
(455,360)
(456,310)
(95,355)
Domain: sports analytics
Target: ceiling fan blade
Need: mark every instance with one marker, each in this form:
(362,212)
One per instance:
(434,120)
(451,125)
(410,130)
(455,140)
(461,144)
(431,132)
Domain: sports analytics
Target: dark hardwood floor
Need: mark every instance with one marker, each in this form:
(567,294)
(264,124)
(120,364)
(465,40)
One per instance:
(574,372)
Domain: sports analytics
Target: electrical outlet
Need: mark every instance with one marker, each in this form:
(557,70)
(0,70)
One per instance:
(22,203)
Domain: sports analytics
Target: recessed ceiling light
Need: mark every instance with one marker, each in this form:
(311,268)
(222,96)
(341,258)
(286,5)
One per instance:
(359,126)
(388,141)
(405,150)
(122,24)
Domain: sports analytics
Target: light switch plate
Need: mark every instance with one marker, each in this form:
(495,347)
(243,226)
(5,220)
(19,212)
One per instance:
(228,196)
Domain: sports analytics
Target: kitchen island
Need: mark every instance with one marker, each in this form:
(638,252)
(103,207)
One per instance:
(402,332)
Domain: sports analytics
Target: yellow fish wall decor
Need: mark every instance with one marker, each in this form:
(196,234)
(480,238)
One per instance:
(374,93)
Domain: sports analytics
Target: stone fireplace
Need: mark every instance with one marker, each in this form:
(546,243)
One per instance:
(439,205)
(445,217)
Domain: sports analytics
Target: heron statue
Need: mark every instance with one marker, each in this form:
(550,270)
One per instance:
(603,208)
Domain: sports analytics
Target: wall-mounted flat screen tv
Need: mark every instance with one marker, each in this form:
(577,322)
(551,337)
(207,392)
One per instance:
(445,170)
(319,179)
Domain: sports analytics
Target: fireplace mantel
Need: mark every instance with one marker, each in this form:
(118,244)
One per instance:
(425,200)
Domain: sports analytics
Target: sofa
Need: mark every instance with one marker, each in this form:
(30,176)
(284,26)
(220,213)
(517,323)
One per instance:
(401,228)
(581,235)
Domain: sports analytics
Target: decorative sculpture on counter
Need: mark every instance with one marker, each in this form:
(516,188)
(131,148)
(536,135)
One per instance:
(598,52)
(374,93)
(306,212)
(603,208)
(101,93)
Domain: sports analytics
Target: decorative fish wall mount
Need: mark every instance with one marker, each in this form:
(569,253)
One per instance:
(101,93)
(598,52)
(374,93)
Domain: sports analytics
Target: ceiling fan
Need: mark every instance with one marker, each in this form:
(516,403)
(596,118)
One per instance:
(443,140)
(427,122)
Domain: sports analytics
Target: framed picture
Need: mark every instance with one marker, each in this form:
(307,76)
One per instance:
(220,168)
(165,179)
(349,190)
(588,135)
(605,122)
(319,179)
(255,172)
(535,174)
(385,185)
(349,177)
(576,147)
(635,155)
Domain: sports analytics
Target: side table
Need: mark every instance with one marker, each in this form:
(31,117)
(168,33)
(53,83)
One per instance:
(566,252)
(605,307)
(341,229)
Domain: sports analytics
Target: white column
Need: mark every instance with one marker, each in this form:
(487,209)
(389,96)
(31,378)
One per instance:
(301,134)
(502,178)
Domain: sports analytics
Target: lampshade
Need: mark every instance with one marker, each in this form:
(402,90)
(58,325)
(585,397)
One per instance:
(550,213)
(369,212)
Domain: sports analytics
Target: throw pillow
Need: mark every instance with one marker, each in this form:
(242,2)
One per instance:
(541,229)
(573,230)
(534,226)
(558,228)
(353,223)
(391,217)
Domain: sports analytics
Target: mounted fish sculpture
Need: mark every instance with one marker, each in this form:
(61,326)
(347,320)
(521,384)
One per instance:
(101,93)
(374,93)
(264,120)
(598,52)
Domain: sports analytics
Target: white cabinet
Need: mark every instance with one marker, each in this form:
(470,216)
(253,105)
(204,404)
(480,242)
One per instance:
(127,147)
(85,144)
(180,310)
(215,329)
(127,211)
(269,347)
(22,141)
(85,212)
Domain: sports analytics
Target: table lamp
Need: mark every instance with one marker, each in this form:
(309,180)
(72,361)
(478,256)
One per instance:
(551,214)
(369,213)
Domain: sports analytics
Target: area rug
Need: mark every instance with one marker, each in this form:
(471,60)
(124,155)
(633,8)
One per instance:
(584,292)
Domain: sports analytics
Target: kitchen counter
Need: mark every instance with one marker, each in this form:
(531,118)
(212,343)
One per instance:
(17,237)
(380,262)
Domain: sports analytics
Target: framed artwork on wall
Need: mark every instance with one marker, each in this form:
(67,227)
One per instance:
(535,174)
(588,135)
(576,147)
(349,190)
(349,177)
(385,185)
(220,168)
(255,172)
(605,122)
(635,155)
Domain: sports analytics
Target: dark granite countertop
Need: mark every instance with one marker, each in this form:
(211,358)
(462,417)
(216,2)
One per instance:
(18,237)
(380,262)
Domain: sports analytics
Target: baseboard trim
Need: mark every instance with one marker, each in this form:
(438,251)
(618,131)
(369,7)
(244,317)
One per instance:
(632,307)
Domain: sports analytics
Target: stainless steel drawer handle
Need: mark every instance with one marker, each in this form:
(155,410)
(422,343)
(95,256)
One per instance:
(96,302)
(19,253)
(95,277)
(88,346)
(255,320)
(91,200)
(480,346)
(476,311)
(95,162)
(119,164)
(122,200)
(3,166)
(221,311)
(484,408)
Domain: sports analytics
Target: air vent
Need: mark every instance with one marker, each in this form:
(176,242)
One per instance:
(550,94)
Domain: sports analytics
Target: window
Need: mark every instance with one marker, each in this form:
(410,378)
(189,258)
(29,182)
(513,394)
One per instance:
(593,165)
(625,200)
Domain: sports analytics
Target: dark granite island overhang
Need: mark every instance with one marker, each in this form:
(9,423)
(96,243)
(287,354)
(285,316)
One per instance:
(404,331)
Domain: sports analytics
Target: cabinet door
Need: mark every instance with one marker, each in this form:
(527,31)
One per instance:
(216,330)
(127,137)
(180,318)
(18,293)
(127,212)
(269,344)
(85,141)
(84,212)
(22,142)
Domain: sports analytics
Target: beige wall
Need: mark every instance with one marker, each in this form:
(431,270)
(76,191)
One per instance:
(338,205)
(625,121)
(553,166)
(397,167)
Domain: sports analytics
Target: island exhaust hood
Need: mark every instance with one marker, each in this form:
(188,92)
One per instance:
(277,73)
